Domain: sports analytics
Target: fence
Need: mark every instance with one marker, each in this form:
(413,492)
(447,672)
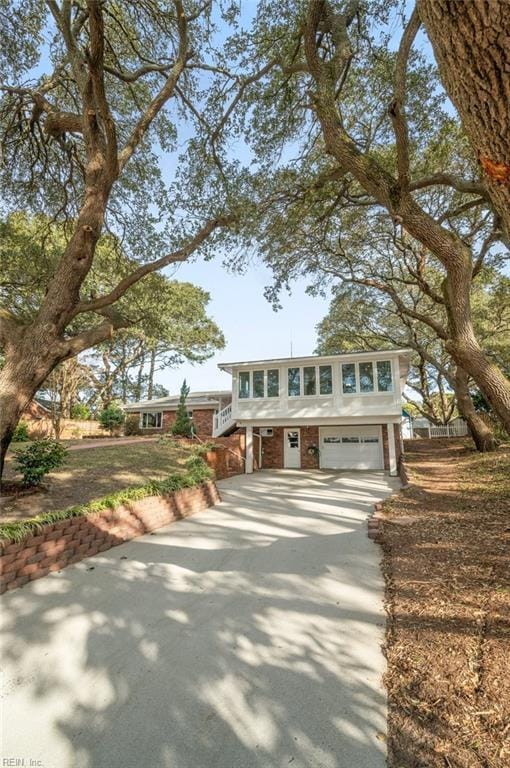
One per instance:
(69,428)
(456,429)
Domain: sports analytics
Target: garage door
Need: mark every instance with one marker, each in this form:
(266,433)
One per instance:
(351,448)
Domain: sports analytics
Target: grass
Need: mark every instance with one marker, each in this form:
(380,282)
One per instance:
(194,472)
(446,543)
(96,472)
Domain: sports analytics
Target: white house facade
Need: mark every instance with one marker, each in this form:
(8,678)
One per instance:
(329,412)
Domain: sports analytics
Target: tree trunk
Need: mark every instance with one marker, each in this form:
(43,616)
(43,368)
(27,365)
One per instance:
(393,195)
(471,42)
(481,433)
(152,367)
(25,368)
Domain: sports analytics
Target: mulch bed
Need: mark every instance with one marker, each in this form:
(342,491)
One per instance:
(446,545)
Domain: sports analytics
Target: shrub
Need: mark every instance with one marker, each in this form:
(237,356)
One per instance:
(111,418)
(80,411)
(132,424)
(38,459)
(20,434)
(183,425)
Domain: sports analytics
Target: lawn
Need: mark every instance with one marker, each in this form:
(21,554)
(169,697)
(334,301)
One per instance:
(446,543)
(94,472)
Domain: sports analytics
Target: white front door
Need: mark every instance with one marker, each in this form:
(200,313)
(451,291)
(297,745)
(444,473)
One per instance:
(291,449)
(351,447)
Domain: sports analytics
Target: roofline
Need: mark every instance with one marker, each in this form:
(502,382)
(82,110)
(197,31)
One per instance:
(400,352)
(171,401)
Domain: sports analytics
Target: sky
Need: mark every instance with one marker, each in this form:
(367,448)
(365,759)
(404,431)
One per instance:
(252,329)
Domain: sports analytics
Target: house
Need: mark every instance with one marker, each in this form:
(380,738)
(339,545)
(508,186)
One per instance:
(329,412)
(158,416)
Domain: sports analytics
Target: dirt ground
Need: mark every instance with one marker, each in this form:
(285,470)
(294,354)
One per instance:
(92,473)
(446,544)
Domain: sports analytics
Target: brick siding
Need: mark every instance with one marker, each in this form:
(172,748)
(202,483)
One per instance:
(202,419)
(69,541)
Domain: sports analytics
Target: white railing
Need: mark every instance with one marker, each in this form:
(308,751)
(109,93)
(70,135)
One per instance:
(459,429)
(222,418)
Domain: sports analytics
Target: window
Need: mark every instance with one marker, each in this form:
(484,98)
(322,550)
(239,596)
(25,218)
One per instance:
(366,377)
(332,440)
(151,420)
(294,382)
(384,380)
(325,380)
(309,381)
(273,383)
(244,384)
(350,439)
(258,383)
(349,378)
(370,439)
(293,438)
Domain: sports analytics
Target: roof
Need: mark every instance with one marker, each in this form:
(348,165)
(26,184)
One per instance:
(314,358)
(209,399)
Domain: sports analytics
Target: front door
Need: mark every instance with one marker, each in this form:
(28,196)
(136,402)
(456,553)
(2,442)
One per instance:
(292,449)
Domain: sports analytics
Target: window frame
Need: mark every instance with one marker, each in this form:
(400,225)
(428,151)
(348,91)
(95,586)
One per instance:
(376,390)
(251,396)
(317,367)
(151,413)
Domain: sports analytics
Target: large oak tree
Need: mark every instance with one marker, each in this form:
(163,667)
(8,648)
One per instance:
(94,99)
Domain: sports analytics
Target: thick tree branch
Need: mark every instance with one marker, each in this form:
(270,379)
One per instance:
(179,255)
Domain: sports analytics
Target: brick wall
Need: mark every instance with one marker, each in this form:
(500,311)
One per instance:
(309,438)
(69,541)
(228,457)
(272,450)
(202,419)
(386,451)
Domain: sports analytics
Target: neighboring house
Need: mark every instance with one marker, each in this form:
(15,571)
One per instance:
(36,410)
(331,412)
(406,425)
(157,416)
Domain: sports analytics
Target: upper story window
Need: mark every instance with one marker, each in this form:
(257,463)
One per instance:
(244,384)
(349,380)
(294,382)
(325,380)
(273,383)
(310,380)
(151,420)
(384,380)
(259,384)
(367,377)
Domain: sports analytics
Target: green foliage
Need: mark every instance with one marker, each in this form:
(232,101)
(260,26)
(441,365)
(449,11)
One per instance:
(198,472)
(132,424)
(38,459)
(111,417)
(183,425)
(80,411)
(20,434)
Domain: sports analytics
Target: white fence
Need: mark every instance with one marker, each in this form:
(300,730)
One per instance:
(456,429)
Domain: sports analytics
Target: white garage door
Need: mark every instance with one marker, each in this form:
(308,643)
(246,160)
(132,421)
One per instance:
(351,448)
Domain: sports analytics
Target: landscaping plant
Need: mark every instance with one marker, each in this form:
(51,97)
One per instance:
(111,418)
(38,459)
(183,425)
(20,434)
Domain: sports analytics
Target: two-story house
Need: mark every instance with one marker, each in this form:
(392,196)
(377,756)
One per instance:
(329,412)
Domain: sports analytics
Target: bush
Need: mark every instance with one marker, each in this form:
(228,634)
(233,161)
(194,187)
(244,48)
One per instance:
(111,418)
(132,424)
(80,412)
(20,434)
(38,459)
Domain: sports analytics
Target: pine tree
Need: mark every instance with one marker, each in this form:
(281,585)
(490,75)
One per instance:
(183,425)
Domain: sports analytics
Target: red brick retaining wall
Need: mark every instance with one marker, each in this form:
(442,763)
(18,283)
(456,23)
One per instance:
(69,541)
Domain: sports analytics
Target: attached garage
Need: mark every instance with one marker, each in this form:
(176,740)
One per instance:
(357,447)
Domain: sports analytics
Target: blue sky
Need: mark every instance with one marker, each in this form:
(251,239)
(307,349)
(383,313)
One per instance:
(252,329)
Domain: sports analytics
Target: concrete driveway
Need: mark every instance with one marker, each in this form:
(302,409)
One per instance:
(244,637)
